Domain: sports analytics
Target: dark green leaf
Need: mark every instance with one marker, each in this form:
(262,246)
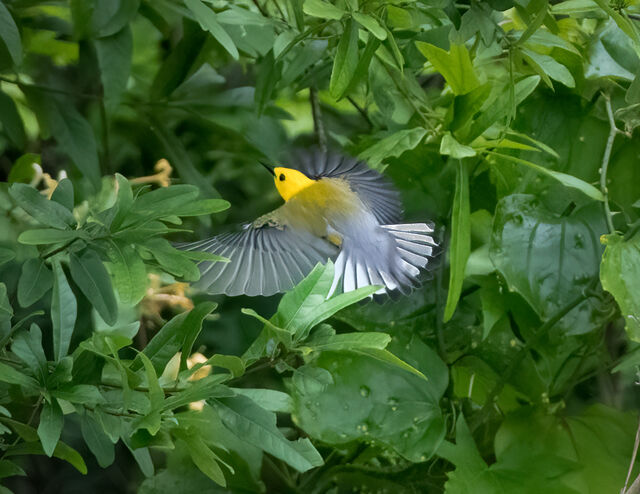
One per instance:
(45,236)
(36,280)
(9,116)
(6,255)
(46,212)
(97,441)
(50,427)
(129,273)
(64,308)
(90,275)
(114,58)
(10,35)
(27,346)
(63,194)
(208,20)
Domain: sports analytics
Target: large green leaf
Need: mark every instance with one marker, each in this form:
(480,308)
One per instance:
(114,58)
(97,440)
(548,259)
(129,273)
(47,212)
(369,400)
(207,19)
(620,275)
(393,145)
(258,426)
(50,427)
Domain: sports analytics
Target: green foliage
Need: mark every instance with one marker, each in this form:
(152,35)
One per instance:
(512,125)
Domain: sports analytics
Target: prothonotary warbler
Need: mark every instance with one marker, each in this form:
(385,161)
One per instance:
(335,208)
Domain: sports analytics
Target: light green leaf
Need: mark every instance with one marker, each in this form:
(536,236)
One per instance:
(257,426)
(45,236)
(393,145)
(350,341)
(450,147)
(36,280)
(205,459)
(460,239)
(89,273)
(10,375)
(27,345)
(64,309)
(345,62)
(10,34)
(209,22)
(371,25)
(454,65)
(547,67)
(129,273)
(230,362)
(269,399)
(620,276)
(50,427)
(322,9)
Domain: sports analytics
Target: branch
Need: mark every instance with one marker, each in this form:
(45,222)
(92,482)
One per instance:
(635,487)
(613,130)
(317,119)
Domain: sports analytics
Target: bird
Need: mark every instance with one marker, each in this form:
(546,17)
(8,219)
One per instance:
(336,208)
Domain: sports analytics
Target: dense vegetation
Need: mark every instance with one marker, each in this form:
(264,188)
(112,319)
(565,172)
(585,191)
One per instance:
(126,125)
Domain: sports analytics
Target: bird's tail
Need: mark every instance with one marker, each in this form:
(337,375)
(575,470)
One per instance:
(394,259)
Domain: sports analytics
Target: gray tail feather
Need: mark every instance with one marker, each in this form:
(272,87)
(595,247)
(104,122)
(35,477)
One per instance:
(396,267)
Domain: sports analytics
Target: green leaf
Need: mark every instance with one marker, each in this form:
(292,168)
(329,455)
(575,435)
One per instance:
(393,145)
(62,451)
(620,276)
(10,118)
(307,305)
(450,147)
(45,236)
(114,59)
(36,280)
(208,21)
(454,65)
(322,9)
(202,456)
(6,255)
(371,25)
(84,394)
(549,259)
(349,341)
(24,168)
(10,469)
(346,60)
(460,246)
(64,309)
(50,427)
(27,346)
(71,130)
(46,212)
(10,35)
(369,399)
(97,441)
(177,334)
(173,261)
(12,376)
(547,67)
(257,426)
(129,273)
(92,278)
(269,399)
(230,362)
(202,207)
(566,180)
(269,74)
(63,194)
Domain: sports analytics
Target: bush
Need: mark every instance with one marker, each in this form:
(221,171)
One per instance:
(509,124)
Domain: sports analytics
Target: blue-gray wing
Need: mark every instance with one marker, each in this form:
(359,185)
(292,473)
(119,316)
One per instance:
(263,260)
(372,188)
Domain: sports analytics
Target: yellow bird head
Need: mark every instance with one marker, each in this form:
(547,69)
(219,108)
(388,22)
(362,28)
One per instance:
(289,182)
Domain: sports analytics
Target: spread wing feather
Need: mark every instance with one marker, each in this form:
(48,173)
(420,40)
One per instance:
(263,260)
(374,190)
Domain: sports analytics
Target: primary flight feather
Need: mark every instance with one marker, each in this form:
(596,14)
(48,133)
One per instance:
(335,208)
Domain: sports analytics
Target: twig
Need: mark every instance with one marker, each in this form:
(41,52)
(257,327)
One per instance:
(317,119)
(605,161)
(49,89)
(361,110)
(633,461)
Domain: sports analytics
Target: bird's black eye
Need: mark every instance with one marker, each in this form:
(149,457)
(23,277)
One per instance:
(281,177)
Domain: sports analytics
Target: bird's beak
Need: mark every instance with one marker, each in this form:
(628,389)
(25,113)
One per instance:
(268,167)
